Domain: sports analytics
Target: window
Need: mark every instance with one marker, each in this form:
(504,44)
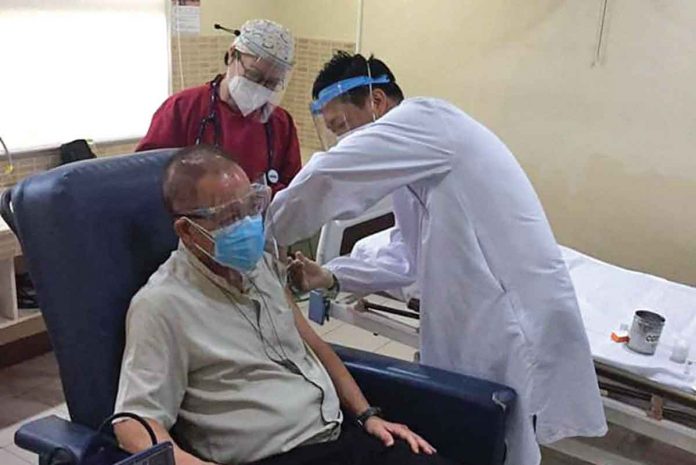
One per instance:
(91,69)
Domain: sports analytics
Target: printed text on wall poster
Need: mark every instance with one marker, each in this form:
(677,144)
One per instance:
(186,17)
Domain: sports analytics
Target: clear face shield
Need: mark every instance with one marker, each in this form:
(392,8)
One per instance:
(235,228)
(224,213)
(333,118)
(257,84)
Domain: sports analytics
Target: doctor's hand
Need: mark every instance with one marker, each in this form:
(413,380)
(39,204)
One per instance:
(387,431)
(307,275)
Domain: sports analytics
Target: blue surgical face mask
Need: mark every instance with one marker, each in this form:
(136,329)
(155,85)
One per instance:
(239,245)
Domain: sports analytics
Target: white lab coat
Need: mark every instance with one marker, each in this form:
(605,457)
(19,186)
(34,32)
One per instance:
(497,301)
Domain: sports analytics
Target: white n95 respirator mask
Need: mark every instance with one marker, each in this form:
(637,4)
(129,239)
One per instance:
(247,95)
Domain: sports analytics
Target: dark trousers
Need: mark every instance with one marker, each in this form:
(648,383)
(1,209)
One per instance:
(354,447)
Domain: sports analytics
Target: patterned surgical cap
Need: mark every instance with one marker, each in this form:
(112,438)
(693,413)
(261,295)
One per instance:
(267,40)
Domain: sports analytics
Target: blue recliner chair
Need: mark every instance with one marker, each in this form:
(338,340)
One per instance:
(94,231)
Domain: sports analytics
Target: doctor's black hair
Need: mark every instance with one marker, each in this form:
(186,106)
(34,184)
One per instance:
(185,169)
(344,65)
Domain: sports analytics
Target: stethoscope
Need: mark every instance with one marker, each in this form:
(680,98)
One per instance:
(271,175)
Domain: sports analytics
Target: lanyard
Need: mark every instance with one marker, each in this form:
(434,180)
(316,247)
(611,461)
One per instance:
(271,175)
(211,117)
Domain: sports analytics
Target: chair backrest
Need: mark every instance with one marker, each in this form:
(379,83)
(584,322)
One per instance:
(92,233)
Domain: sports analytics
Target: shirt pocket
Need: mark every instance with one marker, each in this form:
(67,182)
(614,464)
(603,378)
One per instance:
(281,322)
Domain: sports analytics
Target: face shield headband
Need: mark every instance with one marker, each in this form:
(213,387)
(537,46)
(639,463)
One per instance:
(341,87)
(330,132)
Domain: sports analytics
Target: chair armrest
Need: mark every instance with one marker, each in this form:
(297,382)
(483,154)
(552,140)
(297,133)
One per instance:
(463,417)
(72,443)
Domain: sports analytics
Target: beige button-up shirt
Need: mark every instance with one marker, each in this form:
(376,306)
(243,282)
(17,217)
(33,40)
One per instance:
(228,371)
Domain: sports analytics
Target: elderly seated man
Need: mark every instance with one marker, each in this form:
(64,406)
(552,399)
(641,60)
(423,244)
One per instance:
(218,353)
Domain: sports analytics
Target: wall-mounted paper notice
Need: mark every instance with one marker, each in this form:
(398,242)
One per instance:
(186,17)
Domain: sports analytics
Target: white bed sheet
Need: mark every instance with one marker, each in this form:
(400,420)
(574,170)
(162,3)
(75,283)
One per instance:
(608,296)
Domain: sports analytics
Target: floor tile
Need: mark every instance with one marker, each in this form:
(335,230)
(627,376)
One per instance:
(22,454)
(352,336)
(5,390)
(321,330)
(50,394)
(21,378)
(16,409)
(397,350)
(7,435)
(46,363)
(7,458)
(328,326)
(61,411)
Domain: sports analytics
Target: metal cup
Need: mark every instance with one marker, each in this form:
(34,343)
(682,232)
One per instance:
(645,331)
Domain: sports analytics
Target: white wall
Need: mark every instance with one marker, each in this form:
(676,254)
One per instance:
(315,19)
(610,148)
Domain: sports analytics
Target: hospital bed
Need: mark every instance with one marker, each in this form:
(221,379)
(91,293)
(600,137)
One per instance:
(92,233)
(649,396)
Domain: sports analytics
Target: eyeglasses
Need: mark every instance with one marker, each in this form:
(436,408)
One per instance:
(256,75)
(253,203)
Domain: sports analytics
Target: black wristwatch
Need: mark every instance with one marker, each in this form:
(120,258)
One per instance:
(332,292)
(367,414)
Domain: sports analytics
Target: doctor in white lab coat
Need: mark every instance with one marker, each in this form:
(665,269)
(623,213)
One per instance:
(497,301)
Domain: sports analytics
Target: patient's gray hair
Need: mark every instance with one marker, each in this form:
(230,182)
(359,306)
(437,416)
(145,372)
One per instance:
(185,169)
